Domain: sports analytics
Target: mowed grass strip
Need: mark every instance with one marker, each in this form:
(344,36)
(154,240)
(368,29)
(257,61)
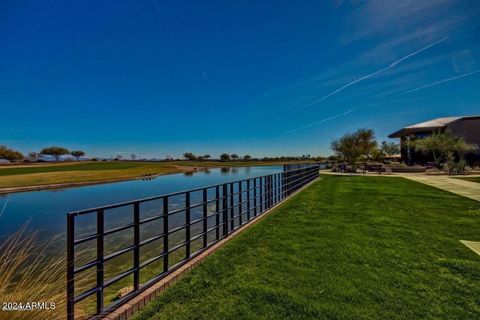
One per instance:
(93,172)
(344,248)
(471,179)
(68,166)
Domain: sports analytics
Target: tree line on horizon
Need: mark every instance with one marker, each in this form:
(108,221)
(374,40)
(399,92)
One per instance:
(54,151)
(57,152)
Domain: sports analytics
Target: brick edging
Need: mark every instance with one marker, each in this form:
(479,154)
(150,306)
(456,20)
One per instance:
(126,310)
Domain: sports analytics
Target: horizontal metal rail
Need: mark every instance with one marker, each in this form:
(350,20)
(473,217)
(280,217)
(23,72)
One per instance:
(208,214)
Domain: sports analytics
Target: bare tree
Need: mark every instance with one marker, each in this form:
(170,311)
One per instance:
(55,152)
(77,154)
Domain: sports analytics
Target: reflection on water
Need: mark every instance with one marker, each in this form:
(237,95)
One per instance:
(47,209)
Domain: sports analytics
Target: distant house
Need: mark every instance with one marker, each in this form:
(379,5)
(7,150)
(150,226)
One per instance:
(467,127)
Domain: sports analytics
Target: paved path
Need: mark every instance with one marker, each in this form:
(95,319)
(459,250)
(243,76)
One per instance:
(462,187)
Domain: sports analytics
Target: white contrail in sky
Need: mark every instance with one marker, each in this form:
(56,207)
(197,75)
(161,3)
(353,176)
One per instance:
(393,64)
(318,122)
(443,81)
(167,26)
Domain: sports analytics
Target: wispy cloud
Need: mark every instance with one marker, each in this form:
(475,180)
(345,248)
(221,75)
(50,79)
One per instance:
(159,10)
(319,122)
(378,18)
(444,80)
(392,65)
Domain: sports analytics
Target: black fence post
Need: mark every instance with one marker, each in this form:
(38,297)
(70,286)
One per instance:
(217,215)
(225,210)
(240,203)
(187,223)
(262,193)
(100,274)
(255,205)
(136,243)
(165,234)
(232,207)
(275,188)
(272,194)
(267,191)
(70,267)
(248,200)
(205,214)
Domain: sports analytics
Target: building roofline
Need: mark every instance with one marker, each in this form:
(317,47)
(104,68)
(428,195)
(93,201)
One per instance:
(413,129)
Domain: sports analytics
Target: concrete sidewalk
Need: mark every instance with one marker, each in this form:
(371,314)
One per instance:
(461,187)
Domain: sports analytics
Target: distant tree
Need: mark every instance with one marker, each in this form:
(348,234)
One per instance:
(189,156)
(390,148)
(206,156)
(133,156)
(55,152)
(368,144)
(353,145)
(10,154)
(33,155)
(118,157)
(225,157)
(247,157)
(334,158)
(234,156)
(443,146)
(77,154)
(377,155)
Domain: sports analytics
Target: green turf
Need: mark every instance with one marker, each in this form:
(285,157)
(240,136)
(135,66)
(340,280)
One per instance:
(472,179)
(345,248)
(117,165)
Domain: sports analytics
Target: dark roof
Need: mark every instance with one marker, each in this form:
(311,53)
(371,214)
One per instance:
(438,123)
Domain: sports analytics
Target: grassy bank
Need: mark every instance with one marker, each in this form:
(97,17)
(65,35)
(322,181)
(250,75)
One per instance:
(345,248)
(472,179)
(96,172)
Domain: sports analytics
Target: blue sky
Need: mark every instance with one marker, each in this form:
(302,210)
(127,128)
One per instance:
(161,78)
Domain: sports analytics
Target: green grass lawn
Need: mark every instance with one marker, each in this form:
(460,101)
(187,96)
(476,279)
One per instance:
(472,179)
(345,248)
(71,166)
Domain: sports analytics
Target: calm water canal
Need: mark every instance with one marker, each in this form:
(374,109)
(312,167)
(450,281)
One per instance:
(47,209)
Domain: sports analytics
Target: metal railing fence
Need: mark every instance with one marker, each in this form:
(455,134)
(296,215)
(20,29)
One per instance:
(189,222)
